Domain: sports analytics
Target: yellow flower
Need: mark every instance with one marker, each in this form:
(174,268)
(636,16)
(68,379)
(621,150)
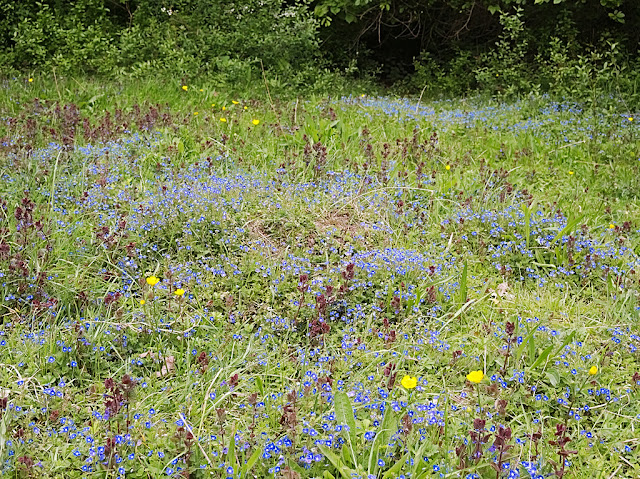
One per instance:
(235,102)
(224,108)
(570,172)
(201,89)
(475,376)
(195,112)
(185,87)
(245,107)
(593,370)
(213,104)
(179,292)
(255,122)
(363,95)
(31,81)
(448,167)
(223,120)
(152,280)
(630,118)
(409,382)
(612,226)
(142,302)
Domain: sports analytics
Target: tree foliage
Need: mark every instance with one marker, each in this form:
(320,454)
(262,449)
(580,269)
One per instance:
(503,45)
(112,36)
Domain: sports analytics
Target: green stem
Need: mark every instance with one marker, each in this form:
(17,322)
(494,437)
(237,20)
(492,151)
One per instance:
(479,401)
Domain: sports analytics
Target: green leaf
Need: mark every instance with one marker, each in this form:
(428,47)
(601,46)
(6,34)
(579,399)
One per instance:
(528,341)
(388,427)
(570,226)
(344,413)
(463,285)
(344,471)
(546,354)
(321,10)
(566,341)
(94,98)
(617,16)
(527,221)
(252,461)
(231,452)
(260,385)
(418,457)
(3,432)
(396,468)
(543,357)
(553,377)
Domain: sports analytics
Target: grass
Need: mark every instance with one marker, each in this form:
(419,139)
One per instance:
(310,265)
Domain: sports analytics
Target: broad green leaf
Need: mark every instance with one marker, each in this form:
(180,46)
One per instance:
(260,385)
(344,413)
(396,468)
(543,357)
(553,377)
(344,471)
(252,461)
(388,428)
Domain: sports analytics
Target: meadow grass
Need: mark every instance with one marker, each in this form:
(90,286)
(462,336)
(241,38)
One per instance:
(215,284)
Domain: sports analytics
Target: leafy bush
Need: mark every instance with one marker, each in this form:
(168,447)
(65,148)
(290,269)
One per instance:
(440,47)
(504,67)
(136,38)
(499,46)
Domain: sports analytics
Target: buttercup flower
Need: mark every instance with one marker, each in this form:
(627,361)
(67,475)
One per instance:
(152,280)
(593,370)
(31,81)
(223,120)
(409,382)
(448,167)
(142,302)
(235,102)
(475,376)
(255,122)
(179,292)
(185,87)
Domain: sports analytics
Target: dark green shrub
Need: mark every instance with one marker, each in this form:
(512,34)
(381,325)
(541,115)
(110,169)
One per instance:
(139,37)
